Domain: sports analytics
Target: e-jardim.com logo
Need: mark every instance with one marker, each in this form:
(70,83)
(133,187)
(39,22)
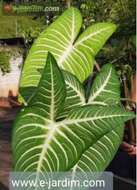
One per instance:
(25,7)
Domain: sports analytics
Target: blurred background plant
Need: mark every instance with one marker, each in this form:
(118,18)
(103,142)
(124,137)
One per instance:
(4,62)
(7,54)
(28,33)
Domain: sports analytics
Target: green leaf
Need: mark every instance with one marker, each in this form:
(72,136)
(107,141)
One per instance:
(57,146)
(105,90)
(75,96)
(133,40)
(73,53)
(43,144)
(98,156)
(106,87)
(50,94)
(94,37)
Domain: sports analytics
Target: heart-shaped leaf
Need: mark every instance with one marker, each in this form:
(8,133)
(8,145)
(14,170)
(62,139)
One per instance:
(73,53)
(41,144)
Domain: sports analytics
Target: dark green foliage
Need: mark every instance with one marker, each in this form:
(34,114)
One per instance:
(4,62)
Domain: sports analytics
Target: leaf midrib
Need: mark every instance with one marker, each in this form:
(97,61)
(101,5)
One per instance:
(82,98)
(46,145)
(52,95)
(70,46)
(58,125)
(91,35)
(99,90)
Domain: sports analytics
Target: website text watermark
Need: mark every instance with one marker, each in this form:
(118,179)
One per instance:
(62,180)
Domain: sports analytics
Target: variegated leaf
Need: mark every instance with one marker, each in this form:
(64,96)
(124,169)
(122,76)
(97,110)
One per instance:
(75,96)
(43,144)
(74,54)
(57,146)
(104,91)
(51,92)
(106,87)
(97,157)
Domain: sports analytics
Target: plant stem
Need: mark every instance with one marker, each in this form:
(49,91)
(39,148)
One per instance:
(69,3)
(132,131)
(126,91)
(97,66)
(126,99)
